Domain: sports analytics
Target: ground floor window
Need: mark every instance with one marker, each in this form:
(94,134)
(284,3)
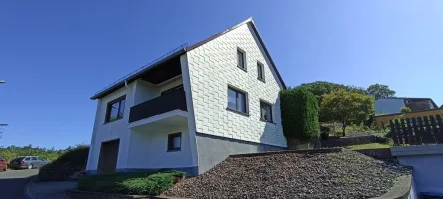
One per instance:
(174,142)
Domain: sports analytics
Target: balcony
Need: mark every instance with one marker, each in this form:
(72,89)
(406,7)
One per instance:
(172,101)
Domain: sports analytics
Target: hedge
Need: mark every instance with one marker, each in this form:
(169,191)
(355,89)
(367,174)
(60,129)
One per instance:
(299,112)
(72,158)
(139,183)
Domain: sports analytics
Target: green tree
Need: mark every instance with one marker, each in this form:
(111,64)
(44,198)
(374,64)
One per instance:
(299,112)
(380,91)
(346,107)
(405,110)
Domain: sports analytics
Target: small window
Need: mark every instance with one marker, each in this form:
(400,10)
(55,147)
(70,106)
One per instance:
(236,100)
(39,158)
(174,142)
(27,158)
(115,109)
(260,71)
(241,59)
(33,158)
(265,111)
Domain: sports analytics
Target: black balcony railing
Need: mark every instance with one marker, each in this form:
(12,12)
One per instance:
(175,100)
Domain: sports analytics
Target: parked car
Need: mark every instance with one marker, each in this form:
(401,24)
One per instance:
(3,164)
(27,162)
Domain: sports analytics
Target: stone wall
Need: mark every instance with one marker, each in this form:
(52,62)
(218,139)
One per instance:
(348,141)
(380,154)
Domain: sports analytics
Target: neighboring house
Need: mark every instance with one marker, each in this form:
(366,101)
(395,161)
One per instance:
(192,108)
(393,105)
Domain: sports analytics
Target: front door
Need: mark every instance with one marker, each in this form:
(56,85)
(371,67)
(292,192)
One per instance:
(107,162)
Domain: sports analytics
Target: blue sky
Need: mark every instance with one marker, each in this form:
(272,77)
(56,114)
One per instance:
(55,54)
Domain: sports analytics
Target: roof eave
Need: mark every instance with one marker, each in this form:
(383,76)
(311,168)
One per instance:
(136,75)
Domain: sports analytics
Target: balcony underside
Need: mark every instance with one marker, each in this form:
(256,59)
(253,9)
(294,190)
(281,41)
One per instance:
(166,122)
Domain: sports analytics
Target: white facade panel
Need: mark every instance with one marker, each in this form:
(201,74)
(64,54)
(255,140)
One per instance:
(149,150)
(212,67)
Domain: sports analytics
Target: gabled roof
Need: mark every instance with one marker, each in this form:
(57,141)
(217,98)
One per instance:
(178,52)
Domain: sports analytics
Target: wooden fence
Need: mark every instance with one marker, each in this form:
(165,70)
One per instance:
(382,120)
(417,131)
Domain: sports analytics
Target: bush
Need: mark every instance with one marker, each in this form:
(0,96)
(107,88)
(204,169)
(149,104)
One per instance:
(299,112)
(73,158)
(139,183)
(405,110)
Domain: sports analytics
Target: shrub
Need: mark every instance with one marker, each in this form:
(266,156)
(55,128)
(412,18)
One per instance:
(73,158)
(139,183)
(299,112)
(405,110)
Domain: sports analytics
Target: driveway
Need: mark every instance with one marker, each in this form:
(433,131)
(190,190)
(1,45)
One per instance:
(13,182)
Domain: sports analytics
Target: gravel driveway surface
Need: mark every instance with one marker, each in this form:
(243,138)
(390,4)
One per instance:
(345,174)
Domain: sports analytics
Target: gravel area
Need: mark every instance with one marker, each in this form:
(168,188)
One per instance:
(345,174)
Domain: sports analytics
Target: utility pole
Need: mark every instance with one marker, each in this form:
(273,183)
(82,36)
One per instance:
(1,125)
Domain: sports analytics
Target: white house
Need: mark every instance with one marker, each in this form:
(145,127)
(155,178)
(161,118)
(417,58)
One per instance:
(191,108)
(394,104)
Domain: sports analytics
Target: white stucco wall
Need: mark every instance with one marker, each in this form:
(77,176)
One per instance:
(137,92)
(149,150)
(388,106)
(109,131)
(213,67)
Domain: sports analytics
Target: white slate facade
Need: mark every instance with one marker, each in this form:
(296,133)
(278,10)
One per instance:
(213,67)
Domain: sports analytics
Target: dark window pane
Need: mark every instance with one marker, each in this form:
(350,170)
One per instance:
(27,158)
(260,71)
(114,111)
(176,142)
(240,59)
(266,112)
(33,158)
(232,99)
(241,102)
(122,108)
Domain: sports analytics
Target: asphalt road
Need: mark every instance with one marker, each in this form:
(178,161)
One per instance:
(13,182)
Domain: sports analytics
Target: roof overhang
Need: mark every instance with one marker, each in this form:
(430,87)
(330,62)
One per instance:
(144,71)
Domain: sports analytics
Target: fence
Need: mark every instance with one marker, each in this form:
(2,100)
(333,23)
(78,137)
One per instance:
(417,131)
(382,120)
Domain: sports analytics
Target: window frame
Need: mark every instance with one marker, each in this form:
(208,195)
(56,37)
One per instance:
(171,137)
(108,110)
(246,103)
(240,51)
(260,68)
(271,107)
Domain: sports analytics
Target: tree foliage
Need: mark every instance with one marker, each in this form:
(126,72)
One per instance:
(405,110)
(320,88)
(346,107)
(299,112)
(380,91)
(12,152)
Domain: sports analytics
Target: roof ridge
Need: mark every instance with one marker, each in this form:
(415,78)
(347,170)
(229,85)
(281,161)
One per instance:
(204,41)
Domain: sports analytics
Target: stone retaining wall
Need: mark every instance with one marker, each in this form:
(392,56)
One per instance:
(348,141)
(380,154)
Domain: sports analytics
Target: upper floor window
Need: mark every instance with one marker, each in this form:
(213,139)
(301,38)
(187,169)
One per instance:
(236,100)
(260,71)
(115,109)
(265,111)
(241,57)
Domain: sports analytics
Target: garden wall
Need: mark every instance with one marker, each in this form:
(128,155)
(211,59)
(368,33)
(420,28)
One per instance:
(348,141)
